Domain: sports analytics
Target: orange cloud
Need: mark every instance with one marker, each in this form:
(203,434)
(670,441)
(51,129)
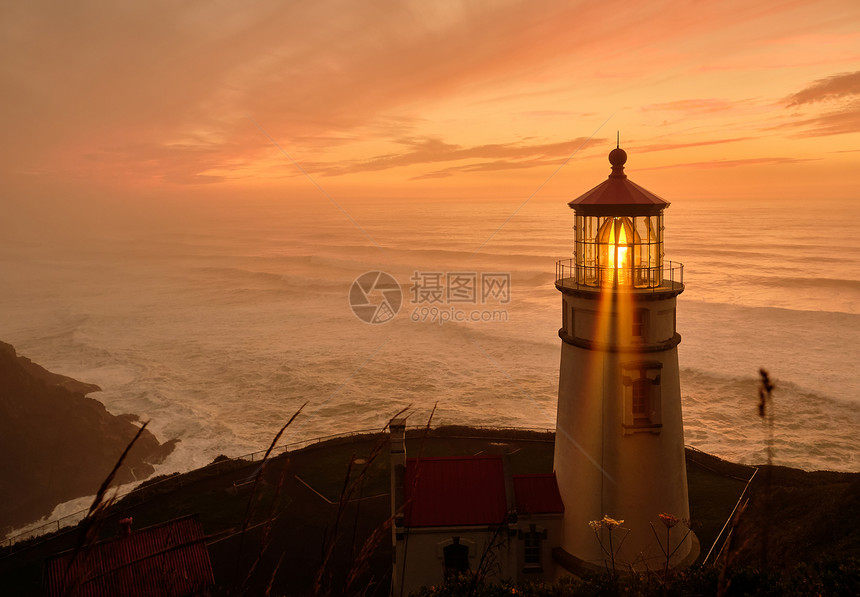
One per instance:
(734,163)
(162,92)
(671,146)
(842,89)
(494,166)
(692,105)
(833,87)
(838,122)
(431,150)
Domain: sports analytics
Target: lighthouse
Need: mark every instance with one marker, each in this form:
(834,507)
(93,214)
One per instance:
(619,448)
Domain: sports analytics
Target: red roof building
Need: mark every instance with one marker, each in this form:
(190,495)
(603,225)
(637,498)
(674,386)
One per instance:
(166,560)
(466,514)
(472,490)
(468,490)
(537,494)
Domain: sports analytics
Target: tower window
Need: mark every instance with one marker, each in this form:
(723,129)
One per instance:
(568,319)
(565,321)
(640,381)
(640,320)
(572,322)
(642,400)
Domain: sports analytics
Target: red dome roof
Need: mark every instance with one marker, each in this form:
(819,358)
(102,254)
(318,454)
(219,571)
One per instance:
(618,196)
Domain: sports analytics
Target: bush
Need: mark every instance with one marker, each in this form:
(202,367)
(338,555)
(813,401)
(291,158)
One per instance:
(829,578)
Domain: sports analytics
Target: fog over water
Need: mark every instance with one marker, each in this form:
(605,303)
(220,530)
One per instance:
(217,321)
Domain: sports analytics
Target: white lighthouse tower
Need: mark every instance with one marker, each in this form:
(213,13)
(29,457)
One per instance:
(619,448)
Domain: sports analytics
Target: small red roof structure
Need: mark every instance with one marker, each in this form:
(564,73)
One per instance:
(455,490)
(537,494)
(472,490)
(618,196)
(169,560)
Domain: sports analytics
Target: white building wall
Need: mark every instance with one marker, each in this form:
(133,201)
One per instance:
(421,551)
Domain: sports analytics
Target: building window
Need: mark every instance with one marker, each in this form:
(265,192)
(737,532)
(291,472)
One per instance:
(456,559)
(640,321)
(532,541)
(640,381)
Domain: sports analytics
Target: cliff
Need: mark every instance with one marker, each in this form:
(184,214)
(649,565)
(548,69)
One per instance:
(811,520)
(56,444)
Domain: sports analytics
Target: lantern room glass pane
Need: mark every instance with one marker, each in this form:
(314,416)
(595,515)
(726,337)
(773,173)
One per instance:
(619,250)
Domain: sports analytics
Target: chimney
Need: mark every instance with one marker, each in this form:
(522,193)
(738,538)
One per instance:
(398,472)
(125,526)
(510,494)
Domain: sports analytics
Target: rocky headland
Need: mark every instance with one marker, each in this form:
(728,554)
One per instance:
(57,444)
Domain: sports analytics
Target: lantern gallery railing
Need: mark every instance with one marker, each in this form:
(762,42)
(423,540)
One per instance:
(669,276)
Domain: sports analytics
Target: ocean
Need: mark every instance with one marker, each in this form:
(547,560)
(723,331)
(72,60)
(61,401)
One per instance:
(216,321)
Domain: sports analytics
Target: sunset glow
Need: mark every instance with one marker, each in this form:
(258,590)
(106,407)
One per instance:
(256,256)
(432,100)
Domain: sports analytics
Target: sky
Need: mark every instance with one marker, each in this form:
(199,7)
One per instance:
(429,100)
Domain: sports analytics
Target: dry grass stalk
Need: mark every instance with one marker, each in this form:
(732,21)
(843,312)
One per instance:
(265,542)
(91,523)
(349,489)
(249,512)
(426,431)
(765,411)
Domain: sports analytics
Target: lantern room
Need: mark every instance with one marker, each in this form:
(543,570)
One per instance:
(618,234)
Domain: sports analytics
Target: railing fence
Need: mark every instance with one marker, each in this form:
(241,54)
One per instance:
(73,519)
(569,274)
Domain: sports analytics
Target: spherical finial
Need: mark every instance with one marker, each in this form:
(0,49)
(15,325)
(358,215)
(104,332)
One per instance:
(617,157)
